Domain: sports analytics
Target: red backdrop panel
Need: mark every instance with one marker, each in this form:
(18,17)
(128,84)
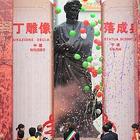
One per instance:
(137,59)
(6,97)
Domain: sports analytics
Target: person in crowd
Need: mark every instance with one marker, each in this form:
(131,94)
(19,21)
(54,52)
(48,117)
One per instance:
(20,135)
(71,134)
(32,132)
(39,131)
(135,133)
(106,134)
(20,127)
(110,125)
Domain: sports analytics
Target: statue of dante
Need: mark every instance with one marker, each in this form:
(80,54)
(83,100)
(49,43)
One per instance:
(67,71)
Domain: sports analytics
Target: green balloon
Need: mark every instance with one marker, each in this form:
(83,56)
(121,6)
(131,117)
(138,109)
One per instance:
(85,64)
(93,15)
(99,21)
(58,10)
(72,33)
(77,56)
(99,71)
(101,59)
(82,9)
(89,59)
(92,23)
(87,88)
(98,47)
(96,32)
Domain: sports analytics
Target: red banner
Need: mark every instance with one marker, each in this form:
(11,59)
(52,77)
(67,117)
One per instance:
(6,97)
(137,59)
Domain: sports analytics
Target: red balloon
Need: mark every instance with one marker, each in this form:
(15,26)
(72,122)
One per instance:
(54,4)
(86,22)
(90,69)
(85,0)
(82,30)
(99,94)
(97,87)
(94,73)
(98,42)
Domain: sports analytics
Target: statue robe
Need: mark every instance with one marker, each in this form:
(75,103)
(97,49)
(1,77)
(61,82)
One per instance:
(67,70)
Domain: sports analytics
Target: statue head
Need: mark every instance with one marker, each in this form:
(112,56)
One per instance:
(72,9)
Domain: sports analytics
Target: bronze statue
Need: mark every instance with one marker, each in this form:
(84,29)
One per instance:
(67,71)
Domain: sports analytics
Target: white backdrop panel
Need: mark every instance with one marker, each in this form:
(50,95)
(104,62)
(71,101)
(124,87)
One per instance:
(32,69)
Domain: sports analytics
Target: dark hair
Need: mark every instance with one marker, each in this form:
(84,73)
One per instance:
(69,4)
(40,128)
(32,131)
(72,127)
(109,124)
(105,128)
(20,126)
(20,134)
(135,125)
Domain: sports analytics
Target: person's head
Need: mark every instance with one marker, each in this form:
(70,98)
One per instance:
(20,134)
(40,128)
(72,127)
(105,128)
(32,131)
(109,124)
(72,9)
(135,126)
(20,127)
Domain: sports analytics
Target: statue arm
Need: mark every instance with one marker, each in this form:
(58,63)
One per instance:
(60,44)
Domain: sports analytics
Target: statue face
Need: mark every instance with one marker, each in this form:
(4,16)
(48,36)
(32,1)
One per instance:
(73,12)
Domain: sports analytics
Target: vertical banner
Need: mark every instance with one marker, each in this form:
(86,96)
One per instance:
(119,65)
(32,40)
(137,59)
(6,66)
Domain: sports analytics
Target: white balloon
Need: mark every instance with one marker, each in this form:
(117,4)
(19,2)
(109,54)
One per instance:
(98,111)
(83,35)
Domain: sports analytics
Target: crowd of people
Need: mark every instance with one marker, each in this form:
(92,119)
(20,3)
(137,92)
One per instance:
(71,133)
(34,135)
(108,134)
